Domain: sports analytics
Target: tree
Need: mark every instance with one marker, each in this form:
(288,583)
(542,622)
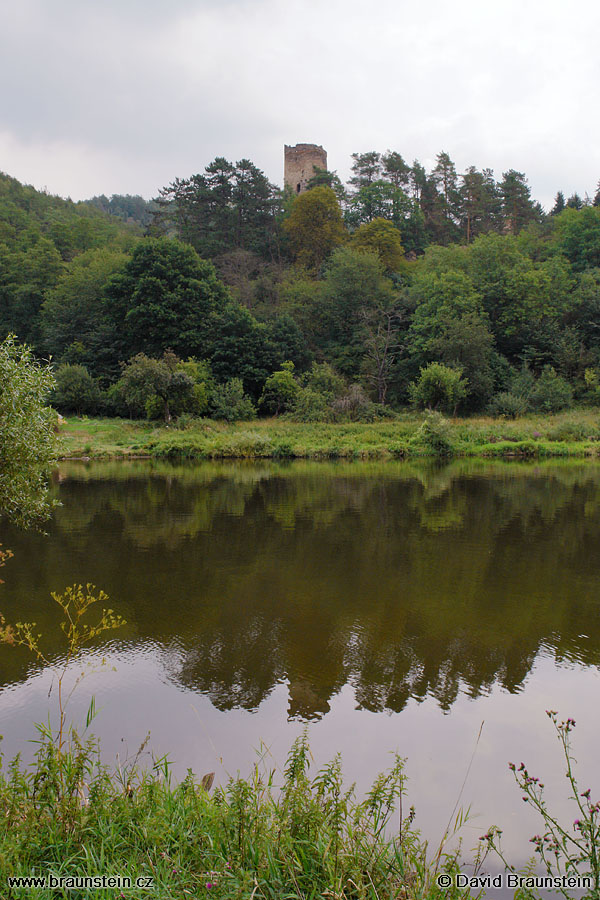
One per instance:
(382,347)
(467,344)
(26,274)
(229,402)
(375,199)
(164,298)
(75,311)
(353,282)
(315,227)
(27,434)
(574,201)
(446,179)
(439,386)
(559,204)
(577,235)
(288,342)
(383,238)
(144,378)
(240,348)
(518,208)
(551,392)
(325,178)
(229,207)
(366,168)
(75,391)
(280,390)
(395,169)
(479,203)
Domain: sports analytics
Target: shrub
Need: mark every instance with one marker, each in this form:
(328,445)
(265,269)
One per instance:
(323,379)
(354,405)
(434,434)
(76,390)
(229,402)
(439,386)
(572,429)
(551,392)
(280,390)
(567,850)
(509,405)
(310,406)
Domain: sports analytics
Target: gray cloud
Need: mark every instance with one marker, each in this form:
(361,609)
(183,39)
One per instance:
(125,96)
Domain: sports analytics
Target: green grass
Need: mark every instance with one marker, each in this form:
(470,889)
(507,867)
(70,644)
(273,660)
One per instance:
(272,835)
(570,434)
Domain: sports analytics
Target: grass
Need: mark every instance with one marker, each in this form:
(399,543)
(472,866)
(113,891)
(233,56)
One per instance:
(569,434)
(68,816)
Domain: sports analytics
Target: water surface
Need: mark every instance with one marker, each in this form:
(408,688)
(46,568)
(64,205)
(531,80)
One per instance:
(391,606)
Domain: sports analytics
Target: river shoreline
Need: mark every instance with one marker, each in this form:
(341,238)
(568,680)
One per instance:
(575,434)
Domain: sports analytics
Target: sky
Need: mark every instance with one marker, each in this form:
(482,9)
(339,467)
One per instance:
(124,96)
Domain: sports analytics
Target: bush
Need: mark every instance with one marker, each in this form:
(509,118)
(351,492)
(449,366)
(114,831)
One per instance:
(439,386)
(323,379)
(229,402)
(551,392)
(27,434)
(509,405)
(310,406)
(305,834)
(573,429)
(280,390)
(354,405)
(76,391)
(434,434)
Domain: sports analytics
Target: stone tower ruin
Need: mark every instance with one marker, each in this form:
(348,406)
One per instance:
(299,165)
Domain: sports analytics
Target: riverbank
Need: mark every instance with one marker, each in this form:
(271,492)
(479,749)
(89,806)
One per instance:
(570,434)
(70,824)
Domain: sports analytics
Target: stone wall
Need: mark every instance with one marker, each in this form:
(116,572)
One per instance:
(299,163)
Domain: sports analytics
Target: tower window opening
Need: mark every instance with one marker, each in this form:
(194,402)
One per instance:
(298,188)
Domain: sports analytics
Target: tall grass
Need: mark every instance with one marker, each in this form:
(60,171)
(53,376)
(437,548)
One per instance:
(575,433)
(306,837)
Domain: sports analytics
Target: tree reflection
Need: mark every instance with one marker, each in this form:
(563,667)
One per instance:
(405,581)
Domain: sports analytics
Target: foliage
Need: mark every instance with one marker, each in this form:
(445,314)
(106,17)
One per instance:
(315,227)
(229,402)
(354,405)
(562,850)
(75,603)
(304,835)
(27,436)
(434,434)
(280,390)
(578,236)
(323,379)
(164,298)
(439,386)
(354,287)
(240,347)
(75,390)
(143,379)
(229,207)
(500,284)
(74,311)
(383,238)
(551,392)
(311,405)
(507,404)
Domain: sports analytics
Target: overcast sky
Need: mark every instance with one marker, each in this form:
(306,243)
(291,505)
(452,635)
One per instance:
(123,96)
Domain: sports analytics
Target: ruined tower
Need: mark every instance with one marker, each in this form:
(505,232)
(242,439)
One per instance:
(299,164)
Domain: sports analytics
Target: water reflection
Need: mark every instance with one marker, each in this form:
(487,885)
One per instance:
(403,581)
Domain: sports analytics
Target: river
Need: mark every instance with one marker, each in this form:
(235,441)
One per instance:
(387,607)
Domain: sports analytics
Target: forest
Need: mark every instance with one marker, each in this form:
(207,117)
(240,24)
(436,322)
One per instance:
(228,297)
